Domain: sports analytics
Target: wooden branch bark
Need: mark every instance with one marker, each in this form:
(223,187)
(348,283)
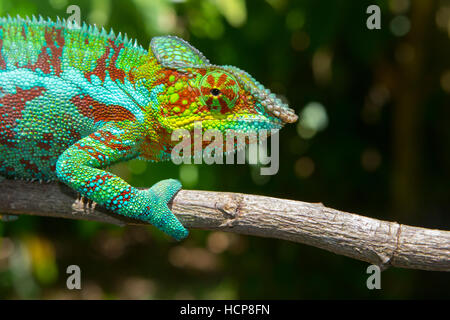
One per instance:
(375,241)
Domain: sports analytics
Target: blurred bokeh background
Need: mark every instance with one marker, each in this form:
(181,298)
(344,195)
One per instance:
(374,138)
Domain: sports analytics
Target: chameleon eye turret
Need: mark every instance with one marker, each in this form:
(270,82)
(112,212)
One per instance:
(221,97)
(219,91)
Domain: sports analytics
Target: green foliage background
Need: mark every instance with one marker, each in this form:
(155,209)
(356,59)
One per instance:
(374,139)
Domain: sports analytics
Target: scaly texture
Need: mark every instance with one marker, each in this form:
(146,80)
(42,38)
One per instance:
(75,100)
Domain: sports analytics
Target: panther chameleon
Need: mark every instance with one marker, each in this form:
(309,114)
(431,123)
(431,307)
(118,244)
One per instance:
(74,100)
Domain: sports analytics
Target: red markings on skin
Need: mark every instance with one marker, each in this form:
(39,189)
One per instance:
(57,51)
(221,79)
(225,92)
(95,181)
(98,111)
(244,104)
(122,197)
(223,84)
(224,106)
(114,72)
(109,140)
(211,81)
(230,83)
(43,145)
(102,64)
(100,67)
(201,108)
(49,62)
(164,77)
(13,105)
(228,93)
(2,61)
(151,148)
(131,75)
(91,151)
(205,91)
(48,137)
(188,93)
(185,94)
(29,166)
(24,34)
(74,134)
(19,99)
(8,170)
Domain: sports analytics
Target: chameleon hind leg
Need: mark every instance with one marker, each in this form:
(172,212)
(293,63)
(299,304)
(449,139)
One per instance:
(80,168)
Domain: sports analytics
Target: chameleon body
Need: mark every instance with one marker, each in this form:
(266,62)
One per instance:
(74,100)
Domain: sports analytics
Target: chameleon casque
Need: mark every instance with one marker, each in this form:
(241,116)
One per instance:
(76,100)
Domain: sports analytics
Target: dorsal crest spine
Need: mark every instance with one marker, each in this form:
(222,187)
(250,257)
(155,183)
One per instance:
(85,30)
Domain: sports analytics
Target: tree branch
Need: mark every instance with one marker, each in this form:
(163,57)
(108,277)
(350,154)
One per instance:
(375,241)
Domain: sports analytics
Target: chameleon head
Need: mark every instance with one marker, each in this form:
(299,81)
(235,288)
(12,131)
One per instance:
(220,97)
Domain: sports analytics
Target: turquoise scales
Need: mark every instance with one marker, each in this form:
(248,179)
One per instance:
(73,101)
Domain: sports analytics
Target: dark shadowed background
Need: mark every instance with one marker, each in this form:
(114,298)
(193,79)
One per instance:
(374,138)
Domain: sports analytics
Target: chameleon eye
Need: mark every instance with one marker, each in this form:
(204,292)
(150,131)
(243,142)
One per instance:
(219,91)
(215,92)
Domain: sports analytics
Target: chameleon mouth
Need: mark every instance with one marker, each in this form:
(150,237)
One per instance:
(241,122)
(276,122)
